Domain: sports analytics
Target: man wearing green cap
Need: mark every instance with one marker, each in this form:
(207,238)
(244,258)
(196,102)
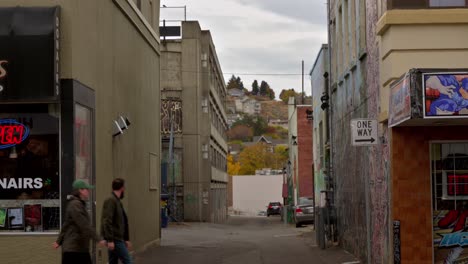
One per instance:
(77,229)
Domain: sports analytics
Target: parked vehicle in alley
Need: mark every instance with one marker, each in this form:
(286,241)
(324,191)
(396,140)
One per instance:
(274,208)
(304,211)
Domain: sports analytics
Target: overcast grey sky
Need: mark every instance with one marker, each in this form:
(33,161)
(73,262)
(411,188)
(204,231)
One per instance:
(260,36)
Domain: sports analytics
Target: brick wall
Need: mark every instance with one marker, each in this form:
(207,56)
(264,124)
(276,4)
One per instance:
(411,187)
(304,142)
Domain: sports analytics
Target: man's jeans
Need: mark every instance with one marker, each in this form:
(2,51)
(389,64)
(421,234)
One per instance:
(120,252)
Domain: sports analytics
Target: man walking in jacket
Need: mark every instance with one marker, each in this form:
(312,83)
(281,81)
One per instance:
(115,225)
(77,229)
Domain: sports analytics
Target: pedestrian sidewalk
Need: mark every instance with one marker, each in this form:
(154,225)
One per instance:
(331,255)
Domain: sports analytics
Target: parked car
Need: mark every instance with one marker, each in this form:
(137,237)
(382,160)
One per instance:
(304,211)
(274,208)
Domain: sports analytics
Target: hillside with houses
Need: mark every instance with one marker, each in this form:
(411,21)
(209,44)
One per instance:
(258,128)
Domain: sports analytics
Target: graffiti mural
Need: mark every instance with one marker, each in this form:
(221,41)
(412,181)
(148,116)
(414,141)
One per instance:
(446,94)
(171,111)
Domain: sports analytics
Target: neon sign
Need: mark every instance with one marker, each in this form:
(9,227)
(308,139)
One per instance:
(3,72)
(12,133)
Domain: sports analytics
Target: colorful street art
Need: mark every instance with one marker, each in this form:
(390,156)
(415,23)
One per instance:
(445,94)
(450,236)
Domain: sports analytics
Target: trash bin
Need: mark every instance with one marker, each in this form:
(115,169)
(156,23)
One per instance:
(164,218)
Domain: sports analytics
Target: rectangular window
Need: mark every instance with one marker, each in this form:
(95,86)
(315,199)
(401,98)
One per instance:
(29,168)
(353,30)
(346,34)
(449,173)
(446,3)
(339,42)
(415,4)
(362,26)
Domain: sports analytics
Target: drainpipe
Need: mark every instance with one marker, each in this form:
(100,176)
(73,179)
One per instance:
(329,113)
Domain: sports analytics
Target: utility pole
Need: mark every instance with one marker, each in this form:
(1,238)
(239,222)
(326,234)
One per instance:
(302,98)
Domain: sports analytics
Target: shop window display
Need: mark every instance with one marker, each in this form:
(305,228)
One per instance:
(449,170)
(29,168)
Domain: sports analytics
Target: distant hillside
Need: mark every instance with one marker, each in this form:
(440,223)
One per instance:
(274,110)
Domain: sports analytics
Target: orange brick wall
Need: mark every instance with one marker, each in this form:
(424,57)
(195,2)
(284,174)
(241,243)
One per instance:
(411,186)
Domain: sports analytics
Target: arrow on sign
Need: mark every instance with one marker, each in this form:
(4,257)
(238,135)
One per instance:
(371,140)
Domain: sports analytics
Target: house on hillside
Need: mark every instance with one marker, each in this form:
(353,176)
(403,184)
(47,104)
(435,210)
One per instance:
(272,143)
(234,92)
(278,122)
(248,105)
(232,118)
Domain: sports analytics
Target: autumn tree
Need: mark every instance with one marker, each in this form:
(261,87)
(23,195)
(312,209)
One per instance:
(233,166)
(282,154)
(260,156)
(257,123)
(240,132)
(252,158)
(285,94)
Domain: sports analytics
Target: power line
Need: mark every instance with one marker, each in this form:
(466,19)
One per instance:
(235,73)
(269,74)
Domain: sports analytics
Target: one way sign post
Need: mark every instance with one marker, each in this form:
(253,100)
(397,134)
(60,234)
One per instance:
(364,132)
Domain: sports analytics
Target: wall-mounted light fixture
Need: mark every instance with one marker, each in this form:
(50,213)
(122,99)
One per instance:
(324,100)
(121,124)
(119,130)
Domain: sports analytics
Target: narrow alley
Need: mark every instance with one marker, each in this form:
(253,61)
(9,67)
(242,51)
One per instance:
(246,240)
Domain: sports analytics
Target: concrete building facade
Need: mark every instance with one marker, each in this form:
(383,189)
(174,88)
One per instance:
(321,143)
(192,80)
(106,59)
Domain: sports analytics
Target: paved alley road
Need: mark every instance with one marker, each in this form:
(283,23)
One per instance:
(242,240)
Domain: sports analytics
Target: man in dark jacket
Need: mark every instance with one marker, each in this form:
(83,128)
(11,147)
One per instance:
(115,225)
(77,230)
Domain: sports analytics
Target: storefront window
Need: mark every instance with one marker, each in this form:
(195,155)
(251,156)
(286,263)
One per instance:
(29,168)
(84,148)
(449,168)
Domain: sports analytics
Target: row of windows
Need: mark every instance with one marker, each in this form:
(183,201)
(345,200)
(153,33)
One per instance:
(218,159)
(216,81)
(414,4)
(348,34)
(217,121)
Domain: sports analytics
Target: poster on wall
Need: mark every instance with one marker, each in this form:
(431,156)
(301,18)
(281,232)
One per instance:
(445,95)
(33,217)
(15,218)
(3,215)
(400,102)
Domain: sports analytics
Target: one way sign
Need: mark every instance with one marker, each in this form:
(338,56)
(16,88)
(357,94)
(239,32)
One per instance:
(364,132)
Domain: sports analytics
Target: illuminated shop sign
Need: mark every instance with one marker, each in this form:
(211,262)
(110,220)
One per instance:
(12,133)
(3,73)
